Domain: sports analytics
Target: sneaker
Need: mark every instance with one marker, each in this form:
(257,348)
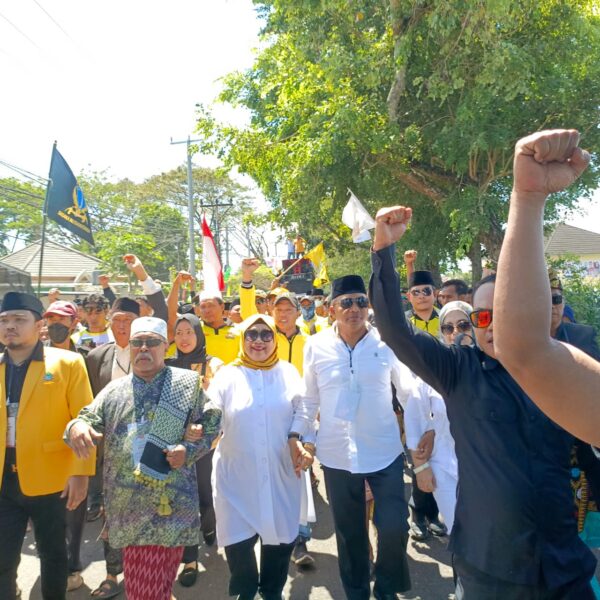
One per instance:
(300,555)
(437,528)
(74,581)
(419,531)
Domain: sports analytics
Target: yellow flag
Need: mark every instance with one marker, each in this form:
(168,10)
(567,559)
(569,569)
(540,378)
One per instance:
(317,257)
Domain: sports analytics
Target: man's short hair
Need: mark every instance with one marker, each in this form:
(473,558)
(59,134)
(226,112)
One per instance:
(208,296)
(488,279)
(97,299)
(461,286)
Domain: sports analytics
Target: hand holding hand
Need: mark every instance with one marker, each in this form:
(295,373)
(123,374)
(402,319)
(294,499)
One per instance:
(390,225)
(426,480)
(425,447)
(193,433)
(301,458)
(82,439)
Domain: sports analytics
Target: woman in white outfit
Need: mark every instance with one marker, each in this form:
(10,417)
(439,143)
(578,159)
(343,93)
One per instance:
(256,484)
(426,411)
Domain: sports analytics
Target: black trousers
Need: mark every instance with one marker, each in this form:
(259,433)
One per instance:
(96,486)
(208,520)
(48,516)
(422,504)
(245,579)
(346,493)
(473,584)
(75,520)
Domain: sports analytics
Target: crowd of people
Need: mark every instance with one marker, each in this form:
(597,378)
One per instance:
(177,419)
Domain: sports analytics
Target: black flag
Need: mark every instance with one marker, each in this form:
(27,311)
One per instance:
(65,202)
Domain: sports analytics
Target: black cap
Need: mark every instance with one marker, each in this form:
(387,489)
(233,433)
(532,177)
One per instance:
(126,304)
(420,278)
(316,292)
(22,301)
(349,284)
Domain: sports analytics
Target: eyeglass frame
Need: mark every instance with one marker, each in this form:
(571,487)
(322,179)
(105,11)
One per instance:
(456,327)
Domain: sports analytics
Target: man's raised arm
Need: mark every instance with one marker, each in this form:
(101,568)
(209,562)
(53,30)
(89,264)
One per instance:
(563,381)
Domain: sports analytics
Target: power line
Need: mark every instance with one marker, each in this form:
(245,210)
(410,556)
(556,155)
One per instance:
(53,20)
(20,31)
(24,172)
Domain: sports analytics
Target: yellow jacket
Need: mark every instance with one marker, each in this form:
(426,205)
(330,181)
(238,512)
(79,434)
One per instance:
(53,393)
(292,350)
(222,343)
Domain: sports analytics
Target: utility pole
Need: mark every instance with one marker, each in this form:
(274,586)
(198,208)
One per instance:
(190,186)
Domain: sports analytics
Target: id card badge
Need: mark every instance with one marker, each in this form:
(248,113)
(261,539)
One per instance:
(138,441)
(347,404)
(11,432)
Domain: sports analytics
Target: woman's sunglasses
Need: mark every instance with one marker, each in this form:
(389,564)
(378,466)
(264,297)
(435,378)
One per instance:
(461,327)
(361,302)
(266,335)
(148,342)
(482,317)
(557,299)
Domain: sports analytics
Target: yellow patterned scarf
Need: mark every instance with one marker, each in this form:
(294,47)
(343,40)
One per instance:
(243,360)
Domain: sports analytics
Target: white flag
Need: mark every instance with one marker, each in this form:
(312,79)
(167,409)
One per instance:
(356,217)
(212,273)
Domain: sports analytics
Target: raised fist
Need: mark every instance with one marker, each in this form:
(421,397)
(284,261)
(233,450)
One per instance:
(390,225)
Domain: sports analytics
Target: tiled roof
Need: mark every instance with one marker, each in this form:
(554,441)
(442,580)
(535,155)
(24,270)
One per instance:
(59,261)
(566,239)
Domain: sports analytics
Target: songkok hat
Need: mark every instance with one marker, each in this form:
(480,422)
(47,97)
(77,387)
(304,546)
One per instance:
(316,292)
(61,308)
(463,307)
(420,278)
(290,297)
(126,304)
(349,284)
(149,325)
(22,301)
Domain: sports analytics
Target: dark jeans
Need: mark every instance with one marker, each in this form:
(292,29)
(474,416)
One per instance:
(208,521)
(113,558)
(422,504)
(245,579)
(48,516)
(346,493)
(75,520)
(473,584)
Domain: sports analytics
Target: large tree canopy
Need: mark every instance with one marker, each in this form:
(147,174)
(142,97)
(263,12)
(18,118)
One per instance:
(409,101)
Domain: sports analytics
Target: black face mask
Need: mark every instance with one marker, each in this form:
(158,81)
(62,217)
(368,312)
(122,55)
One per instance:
(58,333)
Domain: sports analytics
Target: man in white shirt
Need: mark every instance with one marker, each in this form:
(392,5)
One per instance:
(348,374)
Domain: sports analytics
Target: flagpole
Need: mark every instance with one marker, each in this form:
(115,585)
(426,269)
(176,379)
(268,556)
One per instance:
(44,219)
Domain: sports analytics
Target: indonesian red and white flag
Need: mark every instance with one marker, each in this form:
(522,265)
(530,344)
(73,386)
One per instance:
(212,272)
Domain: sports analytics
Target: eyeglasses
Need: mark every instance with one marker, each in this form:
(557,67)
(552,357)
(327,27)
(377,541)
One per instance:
(361,302)
(266,335)
(557,299)
(482,317)
(148,342)
(423,292)
(461,327)
(93,309)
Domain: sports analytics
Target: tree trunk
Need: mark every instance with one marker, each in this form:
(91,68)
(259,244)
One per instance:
(475,257)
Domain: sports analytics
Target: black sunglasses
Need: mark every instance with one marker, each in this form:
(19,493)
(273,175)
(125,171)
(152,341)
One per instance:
(557,299)
(361,302)
(461,327)
(260,301)
(148,342)
(266,335)
(424,292)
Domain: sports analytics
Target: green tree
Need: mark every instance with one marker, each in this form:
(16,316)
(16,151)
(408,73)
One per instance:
(409,101)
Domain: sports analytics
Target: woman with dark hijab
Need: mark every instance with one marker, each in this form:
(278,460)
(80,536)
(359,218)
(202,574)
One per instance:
(191,354)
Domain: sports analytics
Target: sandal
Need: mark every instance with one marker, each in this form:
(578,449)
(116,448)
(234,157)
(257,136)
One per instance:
(107,589)
(187,577)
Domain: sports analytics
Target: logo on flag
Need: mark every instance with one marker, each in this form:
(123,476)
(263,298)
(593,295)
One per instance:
(65,201)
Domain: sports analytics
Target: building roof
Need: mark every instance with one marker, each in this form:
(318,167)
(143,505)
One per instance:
(566,239)
(59,261)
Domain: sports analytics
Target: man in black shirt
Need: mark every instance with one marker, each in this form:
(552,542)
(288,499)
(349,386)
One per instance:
(514,534)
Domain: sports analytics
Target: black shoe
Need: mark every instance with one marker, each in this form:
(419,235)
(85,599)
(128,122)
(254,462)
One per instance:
(246,597)
(187,577)
(300,555)
(210,538)
(384,596)
(94,513)
(419,531)
(437,528)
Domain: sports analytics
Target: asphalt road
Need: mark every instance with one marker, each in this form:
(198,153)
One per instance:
(429,564)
